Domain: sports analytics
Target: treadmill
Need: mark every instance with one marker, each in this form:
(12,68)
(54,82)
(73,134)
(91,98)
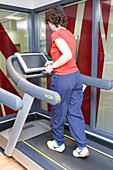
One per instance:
(26,142)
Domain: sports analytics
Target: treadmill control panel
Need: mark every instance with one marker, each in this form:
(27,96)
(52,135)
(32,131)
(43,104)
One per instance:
(32,62)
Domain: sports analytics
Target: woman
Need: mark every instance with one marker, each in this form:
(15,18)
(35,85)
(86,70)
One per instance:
(67,82)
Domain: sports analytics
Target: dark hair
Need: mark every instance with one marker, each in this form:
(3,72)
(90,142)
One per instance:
(56,17)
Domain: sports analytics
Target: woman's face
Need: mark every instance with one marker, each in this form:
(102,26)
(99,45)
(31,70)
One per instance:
(52,26)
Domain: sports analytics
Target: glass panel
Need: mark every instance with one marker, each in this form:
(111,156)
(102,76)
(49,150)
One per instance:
(16,27)
(105,67)
(42,33)
(105,111)
(43,81)
(13,38)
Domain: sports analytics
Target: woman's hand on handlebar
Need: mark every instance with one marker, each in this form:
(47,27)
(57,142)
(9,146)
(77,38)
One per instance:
(48,63)
(49,68)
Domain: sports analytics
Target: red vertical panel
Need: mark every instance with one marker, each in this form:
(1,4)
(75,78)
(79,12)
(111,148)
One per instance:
(100,65)
(70,12)
(6,45)
(100,56)
(84,56)
(48,39)
(85,43)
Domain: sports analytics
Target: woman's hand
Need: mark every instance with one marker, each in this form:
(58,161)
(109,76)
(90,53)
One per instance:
(49,68)
(48,63)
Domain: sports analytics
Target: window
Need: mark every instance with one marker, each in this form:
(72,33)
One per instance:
(105,67)
(13,38)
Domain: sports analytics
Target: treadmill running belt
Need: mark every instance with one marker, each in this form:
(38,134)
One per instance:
(37,150)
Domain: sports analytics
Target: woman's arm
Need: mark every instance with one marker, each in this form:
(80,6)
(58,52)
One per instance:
(66,53)
(65,57)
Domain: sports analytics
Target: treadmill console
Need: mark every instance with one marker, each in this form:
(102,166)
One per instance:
(31,62)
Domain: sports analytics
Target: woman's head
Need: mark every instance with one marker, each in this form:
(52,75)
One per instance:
(56,17)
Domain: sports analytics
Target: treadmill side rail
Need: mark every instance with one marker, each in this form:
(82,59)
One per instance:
(97,82)
(11,100)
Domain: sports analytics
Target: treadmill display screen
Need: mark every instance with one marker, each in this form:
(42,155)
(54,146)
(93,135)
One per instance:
(32,62)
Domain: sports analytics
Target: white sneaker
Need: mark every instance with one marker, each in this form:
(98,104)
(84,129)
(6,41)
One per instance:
(53,146)
(81,153)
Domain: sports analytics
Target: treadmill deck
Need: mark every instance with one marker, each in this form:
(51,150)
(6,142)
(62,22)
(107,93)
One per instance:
(37,150)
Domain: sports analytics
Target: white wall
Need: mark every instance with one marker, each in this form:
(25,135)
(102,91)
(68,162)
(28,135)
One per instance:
(31,4)
(18,3)
(39,3)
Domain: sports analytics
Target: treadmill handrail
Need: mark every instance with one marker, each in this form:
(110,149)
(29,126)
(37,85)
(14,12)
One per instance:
(97,82)
(15,76)
(87,80)
(10,100)
(46,95)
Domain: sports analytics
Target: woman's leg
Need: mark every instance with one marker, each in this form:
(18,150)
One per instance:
(60,84)
(75,117)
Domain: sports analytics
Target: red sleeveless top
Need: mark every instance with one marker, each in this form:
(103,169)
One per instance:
(69,67)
